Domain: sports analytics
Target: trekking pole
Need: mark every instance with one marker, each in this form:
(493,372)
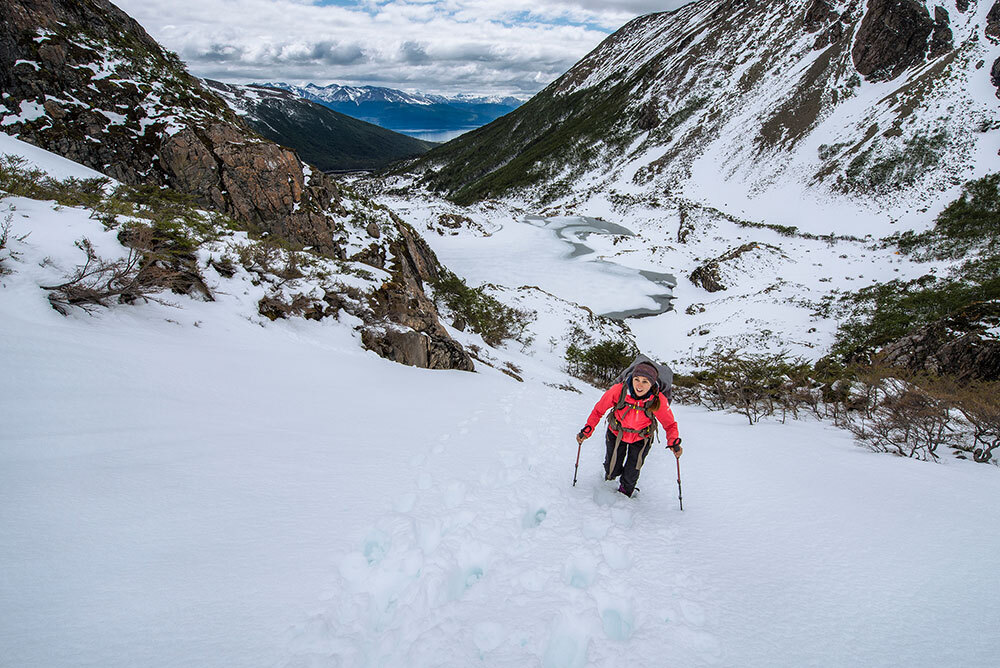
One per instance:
(679,496)
(671,447)
(577,467)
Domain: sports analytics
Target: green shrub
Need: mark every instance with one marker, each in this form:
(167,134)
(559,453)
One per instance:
(600,363)
(969,227)
(485,315)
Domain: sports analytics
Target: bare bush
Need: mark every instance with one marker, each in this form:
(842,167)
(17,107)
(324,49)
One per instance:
(98,282)
(154,263)
(979,405)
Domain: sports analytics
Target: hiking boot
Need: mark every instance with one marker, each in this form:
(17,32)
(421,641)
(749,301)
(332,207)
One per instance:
(621,488)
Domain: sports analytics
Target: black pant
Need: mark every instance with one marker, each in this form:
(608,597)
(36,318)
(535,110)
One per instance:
(626,461)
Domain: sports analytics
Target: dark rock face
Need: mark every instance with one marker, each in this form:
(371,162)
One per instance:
(707,275)
(818,14)
(649,115)
(993,23)
(995,75)
(942,40)
(956,346)
(421,340)
(893,37)
(962,5)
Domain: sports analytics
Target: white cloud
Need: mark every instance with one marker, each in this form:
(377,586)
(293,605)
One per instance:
(441,46)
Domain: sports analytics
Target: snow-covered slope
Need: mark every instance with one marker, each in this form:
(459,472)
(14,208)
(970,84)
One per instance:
(754,139)
(740,105)
(197,485)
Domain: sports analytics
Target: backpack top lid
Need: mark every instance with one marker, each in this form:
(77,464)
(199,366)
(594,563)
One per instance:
(666,376)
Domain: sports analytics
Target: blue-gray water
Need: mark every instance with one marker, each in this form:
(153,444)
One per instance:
(576,233)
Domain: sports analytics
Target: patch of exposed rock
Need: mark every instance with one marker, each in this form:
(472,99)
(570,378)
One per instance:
(942,40)
(959,345)
(419,339)
(818,15)
(708,275)
(995,75)
(892,38)
(993,23)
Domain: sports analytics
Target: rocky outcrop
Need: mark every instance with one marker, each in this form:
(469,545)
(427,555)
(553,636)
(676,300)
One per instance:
(649,114)
(708,275)
(995,75)
(892,38)
(993,23)
(420,339)
(818,15)
(962,5)
(115,101)
(82,79)
(942,40)
(958,346)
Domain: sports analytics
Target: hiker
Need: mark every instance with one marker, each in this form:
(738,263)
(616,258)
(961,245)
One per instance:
(631,425)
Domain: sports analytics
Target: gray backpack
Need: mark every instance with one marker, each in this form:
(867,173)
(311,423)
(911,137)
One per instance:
(666,376)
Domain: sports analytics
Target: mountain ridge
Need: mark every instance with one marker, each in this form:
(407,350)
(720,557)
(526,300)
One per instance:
(413,113)
(324,138)
(746,90)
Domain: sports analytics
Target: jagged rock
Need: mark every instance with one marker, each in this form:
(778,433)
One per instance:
(649,114)
(993,23)
(892,37)
(957,345)
(417,349)
(831,35)
(707,275)
(942,40)
(995,75)
(420,339)
(962,5)
(818,14)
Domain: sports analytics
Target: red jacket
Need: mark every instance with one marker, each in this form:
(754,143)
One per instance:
(632,416)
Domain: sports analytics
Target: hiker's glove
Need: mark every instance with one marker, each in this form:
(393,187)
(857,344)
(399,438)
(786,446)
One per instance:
(675,445)
(585,432)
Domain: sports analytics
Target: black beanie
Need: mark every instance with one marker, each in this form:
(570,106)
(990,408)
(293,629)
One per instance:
(647,371)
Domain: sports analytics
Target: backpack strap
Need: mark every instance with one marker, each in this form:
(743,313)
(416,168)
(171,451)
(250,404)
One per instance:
(613,422)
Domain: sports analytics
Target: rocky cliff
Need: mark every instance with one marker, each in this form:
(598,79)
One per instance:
(82,79)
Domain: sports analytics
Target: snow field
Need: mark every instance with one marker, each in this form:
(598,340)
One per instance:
(195,485)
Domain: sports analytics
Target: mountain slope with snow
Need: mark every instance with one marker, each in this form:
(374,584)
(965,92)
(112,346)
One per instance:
(738,105)
(191,483)
(323,138)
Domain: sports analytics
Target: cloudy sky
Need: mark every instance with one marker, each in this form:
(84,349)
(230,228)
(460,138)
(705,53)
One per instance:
(434,46)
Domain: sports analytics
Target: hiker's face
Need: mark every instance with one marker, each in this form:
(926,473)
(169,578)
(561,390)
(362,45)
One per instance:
(641,385)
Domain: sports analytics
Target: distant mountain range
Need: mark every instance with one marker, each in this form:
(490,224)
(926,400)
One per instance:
(322,137)
(415,114)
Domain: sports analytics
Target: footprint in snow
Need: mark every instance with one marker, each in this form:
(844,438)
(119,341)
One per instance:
(533,517)
(617,556)
(693,613)
(454,494)
(405,503)
(580,570)
(567,645)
